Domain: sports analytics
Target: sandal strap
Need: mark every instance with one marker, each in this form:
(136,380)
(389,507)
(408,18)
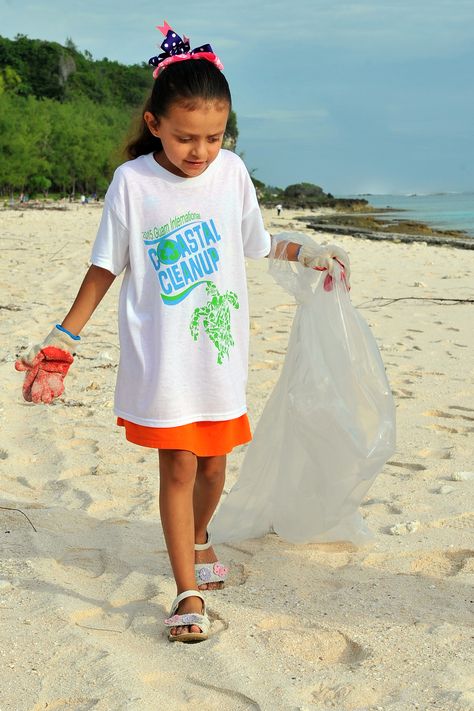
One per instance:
(210,572)
(183,596)
(191,618)
(204,546)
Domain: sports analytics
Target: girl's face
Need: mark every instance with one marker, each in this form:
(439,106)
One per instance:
(191,138)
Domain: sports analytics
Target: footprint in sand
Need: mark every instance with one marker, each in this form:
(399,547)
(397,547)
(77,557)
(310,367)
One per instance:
(200,694)
(265,365)
(441,413)
(285,308)
(463,521)
(408,465)
(84,445)
(91,561)
(443,563)
(444,453)
(96,618)
(451,430)
(238,571)
(128,605)
(313,644)
(346,697)
(238,575)
(403,393)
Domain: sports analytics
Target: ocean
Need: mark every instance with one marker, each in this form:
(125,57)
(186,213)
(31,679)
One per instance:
(454,211)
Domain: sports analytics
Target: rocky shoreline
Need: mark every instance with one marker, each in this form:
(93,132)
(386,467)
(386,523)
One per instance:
(368,226)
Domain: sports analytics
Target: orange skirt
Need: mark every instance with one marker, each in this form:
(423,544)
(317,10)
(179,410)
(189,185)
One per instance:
(204,439)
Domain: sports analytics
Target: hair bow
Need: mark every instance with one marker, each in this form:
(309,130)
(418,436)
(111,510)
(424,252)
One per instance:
(176,49)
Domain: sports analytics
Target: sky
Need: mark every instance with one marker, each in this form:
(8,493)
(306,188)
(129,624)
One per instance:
(357,97)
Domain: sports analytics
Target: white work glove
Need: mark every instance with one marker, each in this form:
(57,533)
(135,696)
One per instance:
(322,256)
(56,338)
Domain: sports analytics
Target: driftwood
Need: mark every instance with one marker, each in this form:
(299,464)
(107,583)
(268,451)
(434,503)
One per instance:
(386,301)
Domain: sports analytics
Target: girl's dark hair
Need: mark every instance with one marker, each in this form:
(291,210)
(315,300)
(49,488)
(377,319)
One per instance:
(186,82)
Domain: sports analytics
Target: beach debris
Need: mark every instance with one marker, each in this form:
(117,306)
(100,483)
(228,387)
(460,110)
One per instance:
(105,357)
(445,489)
(11,508)
(400,529)
(419,283)
(105,360)
(462,476)
(386,301)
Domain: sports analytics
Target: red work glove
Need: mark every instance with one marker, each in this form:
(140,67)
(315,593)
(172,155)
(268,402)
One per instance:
(46,365)
(44,379)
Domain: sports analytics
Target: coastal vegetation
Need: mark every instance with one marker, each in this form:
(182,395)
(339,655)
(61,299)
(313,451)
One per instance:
(304,196)
(65,117)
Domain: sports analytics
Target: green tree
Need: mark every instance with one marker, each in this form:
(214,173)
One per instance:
(64,116)
(10,80)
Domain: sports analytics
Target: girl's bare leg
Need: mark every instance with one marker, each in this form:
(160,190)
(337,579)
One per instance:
(177,479)
(208,488)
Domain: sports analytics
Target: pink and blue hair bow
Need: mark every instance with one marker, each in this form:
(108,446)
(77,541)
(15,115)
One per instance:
(177,49)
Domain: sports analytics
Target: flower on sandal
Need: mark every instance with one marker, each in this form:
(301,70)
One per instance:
(187,619)
(220,569)
(204,574)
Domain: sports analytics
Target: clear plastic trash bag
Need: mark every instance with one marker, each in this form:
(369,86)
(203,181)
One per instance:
(327,429)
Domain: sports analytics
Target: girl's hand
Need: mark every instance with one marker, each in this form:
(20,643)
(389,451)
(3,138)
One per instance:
(57,339)
(46,365)
(321,256)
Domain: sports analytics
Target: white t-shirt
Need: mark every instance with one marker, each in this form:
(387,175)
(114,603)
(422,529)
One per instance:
(183,308)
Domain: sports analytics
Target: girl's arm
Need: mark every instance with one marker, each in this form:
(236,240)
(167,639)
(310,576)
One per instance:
(291,248)
(93,289)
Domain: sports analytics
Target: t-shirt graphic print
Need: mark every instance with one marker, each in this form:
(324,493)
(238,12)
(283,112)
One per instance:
(183,306)
(182,258)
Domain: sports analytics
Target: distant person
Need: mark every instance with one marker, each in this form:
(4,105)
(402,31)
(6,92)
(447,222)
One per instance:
(279,208)
(180,218)
(83,200)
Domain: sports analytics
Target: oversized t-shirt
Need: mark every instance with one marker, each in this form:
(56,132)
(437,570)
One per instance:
(183,307)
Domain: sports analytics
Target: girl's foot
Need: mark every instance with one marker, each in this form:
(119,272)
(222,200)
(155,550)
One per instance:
(205,556)
(188,606)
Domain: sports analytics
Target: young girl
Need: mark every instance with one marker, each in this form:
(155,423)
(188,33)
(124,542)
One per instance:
(180,218)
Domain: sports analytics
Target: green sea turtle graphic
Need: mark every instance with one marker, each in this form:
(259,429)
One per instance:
(216,319)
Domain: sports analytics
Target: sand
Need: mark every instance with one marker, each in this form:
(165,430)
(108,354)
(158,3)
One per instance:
(386,627)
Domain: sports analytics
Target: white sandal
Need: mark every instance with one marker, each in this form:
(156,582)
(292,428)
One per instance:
(188,619)
(209,572)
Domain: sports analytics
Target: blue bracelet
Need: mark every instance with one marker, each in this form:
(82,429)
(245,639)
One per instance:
(64,330)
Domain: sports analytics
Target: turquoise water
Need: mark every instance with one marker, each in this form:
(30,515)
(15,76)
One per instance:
(453,211)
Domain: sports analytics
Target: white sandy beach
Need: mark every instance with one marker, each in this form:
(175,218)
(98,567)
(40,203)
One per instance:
(317,627)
